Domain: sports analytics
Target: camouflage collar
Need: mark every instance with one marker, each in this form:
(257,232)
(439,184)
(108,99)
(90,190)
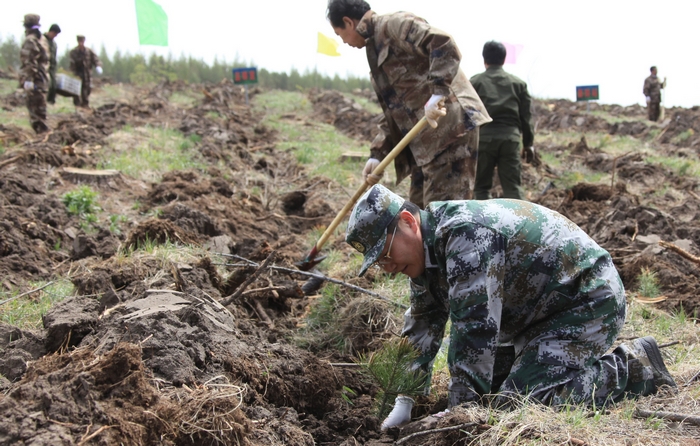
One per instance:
(427,228)
(365,27)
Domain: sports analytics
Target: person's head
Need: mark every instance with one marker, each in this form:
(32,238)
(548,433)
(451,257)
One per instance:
(31,23)
(81,40)
(54,30)
(385,228)
(494,53)
(653,70)
(344,16)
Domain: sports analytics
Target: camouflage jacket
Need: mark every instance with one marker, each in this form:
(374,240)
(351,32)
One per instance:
(652,88)
(34,60)
(82,61)
(499,269)
(409,61)
(52,50)
(508,102)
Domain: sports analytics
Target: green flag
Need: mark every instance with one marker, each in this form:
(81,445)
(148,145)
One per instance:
(152,22)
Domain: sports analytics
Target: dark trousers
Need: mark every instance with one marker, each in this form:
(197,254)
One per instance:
(503,154)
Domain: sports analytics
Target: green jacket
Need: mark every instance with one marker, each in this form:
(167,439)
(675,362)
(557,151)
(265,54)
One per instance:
(508,102)
(501,270)
(53,48)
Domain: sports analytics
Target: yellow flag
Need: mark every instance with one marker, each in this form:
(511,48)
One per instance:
(327,46)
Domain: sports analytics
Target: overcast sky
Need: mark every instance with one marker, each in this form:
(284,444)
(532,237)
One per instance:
(609,43)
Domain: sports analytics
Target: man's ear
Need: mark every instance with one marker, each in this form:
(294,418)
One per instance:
(410,220)
(348,23)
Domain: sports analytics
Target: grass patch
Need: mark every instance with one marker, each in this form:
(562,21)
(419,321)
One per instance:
(146,153)
(315,144)
(682,167)
(26,312)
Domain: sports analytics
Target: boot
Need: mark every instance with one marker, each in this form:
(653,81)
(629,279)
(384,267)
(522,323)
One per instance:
(646,368)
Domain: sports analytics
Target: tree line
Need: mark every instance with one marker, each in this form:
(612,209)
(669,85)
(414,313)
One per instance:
(139,69)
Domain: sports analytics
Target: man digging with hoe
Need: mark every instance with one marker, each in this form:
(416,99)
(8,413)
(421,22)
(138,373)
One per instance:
(534,302)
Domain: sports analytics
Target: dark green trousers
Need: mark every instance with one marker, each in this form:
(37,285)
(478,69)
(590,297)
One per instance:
(504,153)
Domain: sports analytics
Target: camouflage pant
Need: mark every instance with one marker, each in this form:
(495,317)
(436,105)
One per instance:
(503,153)
(445,178)
(558,360)
(654,110)
(83,100)
(36,104)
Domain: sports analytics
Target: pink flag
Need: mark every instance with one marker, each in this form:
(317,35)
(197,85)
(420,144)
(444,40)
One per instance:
(512,51)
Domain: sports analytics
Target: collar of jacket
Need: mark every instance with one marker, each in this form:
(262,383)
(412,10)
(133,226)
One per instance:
(427,229)
(365,27)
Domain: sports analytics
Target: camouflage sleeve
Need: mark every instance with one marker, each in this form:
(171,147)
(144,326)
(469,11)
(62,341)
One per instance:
(646,87)
(419,37)
(475,270)
(29,56)
(381,145)
(73,66)
(424,325)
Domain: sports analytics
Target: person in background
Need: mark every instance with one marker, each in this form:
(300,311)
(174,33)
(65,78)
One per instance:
(652,93)
(82,61)
(54,30)
(32,76)
(508,102)
(414,68)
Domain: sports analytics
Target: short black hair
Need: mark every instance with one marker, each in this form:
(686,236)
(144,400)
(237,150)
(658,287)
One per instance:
(494,53)
(652,68)
(55,28)
(337,9)
(406,206)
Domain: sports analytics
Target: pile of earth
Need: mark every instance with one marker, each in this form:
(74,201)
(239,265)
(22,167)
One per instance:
(627,218)
(154,352)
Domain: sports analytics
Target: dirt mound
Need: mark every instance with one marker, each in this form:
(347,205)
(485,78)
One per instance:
(345,114)
(154,351)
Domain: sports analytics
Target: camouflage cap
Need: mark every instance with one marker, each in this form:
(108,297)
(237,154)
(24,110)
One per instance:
(368,222)
(80,37)
(31,20)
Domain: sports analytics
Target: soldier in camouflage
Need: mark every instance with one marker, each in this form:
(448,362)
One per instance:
(533,301)
(652,92)
(32,76)
(82,61)
(52,48)
(415,72)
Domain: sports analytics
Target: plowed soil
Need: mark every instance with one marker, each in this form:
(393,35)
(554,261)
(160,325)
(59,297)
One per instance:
(154,352)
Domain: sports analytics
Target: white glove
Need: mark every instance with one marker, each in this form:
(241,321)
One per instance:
(372,164)
(28,85)
(435,109)
(400,414)
(98,69)
(648,99)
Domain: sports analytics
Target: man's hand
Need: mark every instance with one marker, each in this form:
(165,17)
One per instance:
(435,109)
(528,154)
(371,179)
(648,99)
(400,414)
(28,85)
(98,69)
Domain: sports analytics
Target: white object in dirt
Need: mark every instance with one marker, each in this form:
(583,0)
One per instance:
(400,414)
(68,84)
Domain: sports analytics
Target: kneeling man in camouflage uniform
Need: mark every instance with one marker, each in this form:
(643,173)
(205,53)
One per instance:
(534,302)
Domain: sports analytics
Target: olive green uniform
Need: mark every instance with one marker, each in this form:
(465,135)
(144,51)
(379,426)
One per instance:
(508,102)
